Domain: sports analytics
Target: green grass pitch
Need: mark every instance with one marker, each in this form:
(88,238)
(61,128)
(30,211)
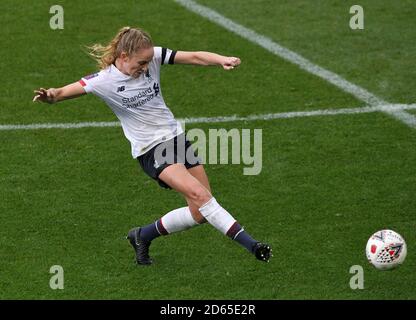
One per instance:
(68,197)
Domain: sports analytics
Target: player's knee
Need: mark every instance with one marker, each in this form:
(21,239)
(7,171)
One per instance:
(199,195)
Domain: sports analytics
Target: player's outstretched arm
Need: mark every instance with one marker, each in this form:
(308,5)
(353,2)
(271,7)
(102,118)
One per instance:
(203,58)
(53,95)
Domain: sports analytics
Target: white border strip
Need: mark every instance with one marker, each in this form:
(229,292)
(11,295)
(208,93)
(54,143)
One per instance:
(271,46)
(269,116)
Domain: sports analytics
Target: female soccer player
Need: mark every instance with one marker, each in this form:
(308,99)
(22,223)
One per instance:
(129,83)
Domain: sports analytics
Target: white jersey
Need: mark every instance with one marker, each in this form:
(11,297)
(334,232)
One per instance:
(137,102)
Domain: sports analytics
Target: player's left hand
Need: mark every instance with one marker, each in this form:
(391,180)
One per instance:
(231,63)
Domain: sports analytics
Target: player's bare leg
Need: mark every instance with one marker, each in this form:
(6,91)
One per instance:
(199,173)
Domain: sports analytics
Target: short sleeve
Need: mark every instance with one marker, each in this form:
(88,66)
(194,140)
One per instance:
(90,81)
(164,55)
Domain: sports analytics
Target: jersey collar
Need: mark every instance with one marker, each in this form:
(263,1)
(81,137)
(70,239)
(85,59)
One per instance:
(114,70)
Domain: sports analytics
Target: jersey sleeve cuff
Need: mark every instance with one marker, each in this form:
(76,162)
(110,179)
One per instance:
(85,85)
(168,56)
(172,57)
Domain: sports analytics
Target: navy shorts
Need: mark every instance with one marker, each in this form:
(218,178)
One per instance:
(164,154)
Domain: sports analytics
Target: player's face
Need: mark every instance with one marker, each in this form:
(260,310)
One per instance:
(138,63)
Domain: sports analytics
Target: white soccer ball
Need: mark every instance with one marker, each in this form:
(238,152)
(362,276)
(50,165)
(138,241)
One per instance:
(386,249)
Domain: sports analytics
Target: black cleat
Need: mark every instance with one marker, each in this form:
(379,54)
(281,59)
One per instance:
(262,251)
(141,247)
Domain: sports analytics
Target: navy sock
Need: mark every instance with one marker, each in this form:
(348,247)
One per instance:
(238,234)
(152,231)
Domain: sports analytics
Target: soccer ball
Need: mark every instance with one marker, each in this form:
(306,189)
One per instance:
(386,249)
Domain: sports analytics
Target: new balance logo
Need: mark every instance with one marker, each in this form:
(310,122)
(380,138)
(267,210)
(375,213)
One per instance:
(120,89)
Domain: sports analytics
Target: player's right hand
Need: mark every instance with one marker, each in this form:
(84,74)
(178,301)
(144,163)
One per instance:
(43,95)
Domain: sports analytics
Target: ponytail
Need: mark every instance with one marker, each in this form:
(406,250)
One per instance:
(128,39)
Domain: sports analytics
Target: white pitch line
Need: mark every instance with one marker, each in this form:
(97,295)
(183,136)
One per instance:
(268,44)
(76,125)
(263,117)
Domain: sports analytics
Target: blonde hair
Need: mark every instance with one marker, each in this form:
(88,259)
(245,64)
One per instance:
(128,39)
